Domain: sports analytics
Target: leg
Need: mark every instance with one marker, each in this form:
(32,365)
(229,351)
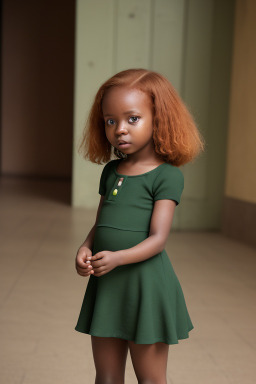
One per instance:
(149,362)
(109,355)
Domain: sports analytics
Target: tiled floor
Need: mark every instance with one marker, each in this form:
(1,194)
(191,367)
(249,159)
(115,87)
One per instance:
(41,295)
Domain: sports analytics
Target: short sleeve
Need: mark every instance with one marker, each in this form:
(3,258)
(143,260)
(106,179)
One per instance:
(102,185)
(169,184)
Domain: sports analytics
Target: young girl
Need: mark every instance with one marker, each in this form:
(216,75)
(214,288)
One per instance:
(133,297)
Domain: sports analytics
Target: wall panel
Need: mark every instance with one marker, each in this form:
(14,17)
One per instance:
(180,39)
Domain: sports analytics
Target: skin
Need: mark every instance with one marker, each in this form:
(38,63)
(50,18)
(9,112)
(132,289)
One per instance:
(136,127)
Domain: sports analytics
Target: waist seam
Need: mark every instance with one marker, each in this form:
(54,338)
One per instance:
(122,229)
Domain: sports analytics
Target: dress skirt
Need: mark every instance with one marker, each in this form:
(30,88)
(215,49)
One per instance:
(142,302)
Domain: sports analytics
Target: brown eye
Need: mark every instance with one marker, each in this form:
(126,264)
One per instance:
(133,119)
(110,122)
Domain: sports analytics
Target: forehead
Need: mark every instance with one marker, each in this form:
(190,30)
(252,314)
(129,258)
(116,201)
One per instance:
(123,98)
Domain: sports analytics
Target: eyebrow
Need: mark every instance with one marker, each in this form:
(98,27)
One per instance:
(125,113)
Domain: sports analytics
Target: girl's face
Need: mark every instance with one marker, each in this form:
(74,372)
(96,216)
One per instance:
(128,117)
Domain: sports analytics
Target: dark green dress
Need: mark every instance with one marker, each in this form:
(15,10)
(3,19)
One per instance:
(142,301)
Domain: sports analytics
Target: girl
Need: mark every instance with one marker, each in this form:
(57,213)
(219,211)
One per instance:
(133,297)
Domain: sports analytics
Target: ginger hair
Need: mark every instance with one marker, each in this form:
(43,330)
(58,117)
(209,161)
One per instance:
(176,137)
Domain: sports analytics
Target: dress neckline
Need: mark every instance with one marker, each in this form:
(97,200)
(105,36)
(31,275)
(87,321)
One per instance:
(142,174)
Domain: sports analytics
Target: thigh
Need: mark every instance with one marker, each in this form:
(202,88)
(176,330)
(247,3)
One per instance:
(149,362)
(110,354)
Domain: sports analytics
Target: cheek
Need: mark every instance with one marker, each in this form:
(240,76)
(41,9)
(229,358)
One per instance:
(108,134)
(146,128)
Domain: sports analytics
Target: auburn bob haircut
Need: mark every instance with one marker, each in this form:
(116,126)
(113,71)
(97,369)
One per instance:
(176,137)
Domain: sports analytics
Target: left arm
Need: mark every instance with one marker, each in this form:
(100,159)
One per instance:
(160,226)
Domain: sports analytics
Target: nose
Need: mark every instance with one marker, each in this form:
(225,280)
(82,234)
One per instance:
(121,128)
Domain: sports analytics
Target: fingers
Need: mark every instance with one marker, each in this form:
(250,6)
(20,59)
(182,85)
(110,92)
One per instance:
(88,273)
(97,256)
(87,265)
(86,270)
(99,272)
(83,265)
(81,261)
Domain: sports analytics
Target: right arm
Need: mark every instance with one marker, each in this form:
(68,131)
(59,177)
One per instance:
(89,239)
(84,267)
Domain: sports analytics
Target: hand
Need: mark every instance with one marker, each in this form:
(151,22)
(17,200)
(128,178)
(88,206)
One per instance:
(83,265)
(104,261)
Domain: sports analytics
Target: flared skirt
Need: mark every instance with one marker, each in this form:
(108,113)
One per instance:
(142,302)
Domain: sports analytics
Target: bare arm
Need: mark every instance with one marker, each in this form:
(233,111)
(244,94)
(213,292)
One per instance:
(84,267)
(160,226)
(90,237)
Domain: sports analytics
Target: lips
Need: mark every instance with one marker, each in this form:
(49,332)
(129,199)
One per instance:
(122,142)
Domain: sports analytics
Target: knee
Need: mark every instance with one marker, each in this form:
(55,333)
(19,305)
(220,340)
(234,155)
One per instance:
(152,381)
(109,379)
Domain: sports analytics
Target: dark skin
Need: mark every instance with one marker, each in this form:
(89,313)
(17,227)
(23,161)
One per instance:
(128,116)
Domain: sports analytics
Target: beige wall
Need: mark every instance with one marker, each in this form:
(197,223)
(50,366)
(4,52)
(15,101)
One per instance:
(190,42)
(37,87)
(241,149)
